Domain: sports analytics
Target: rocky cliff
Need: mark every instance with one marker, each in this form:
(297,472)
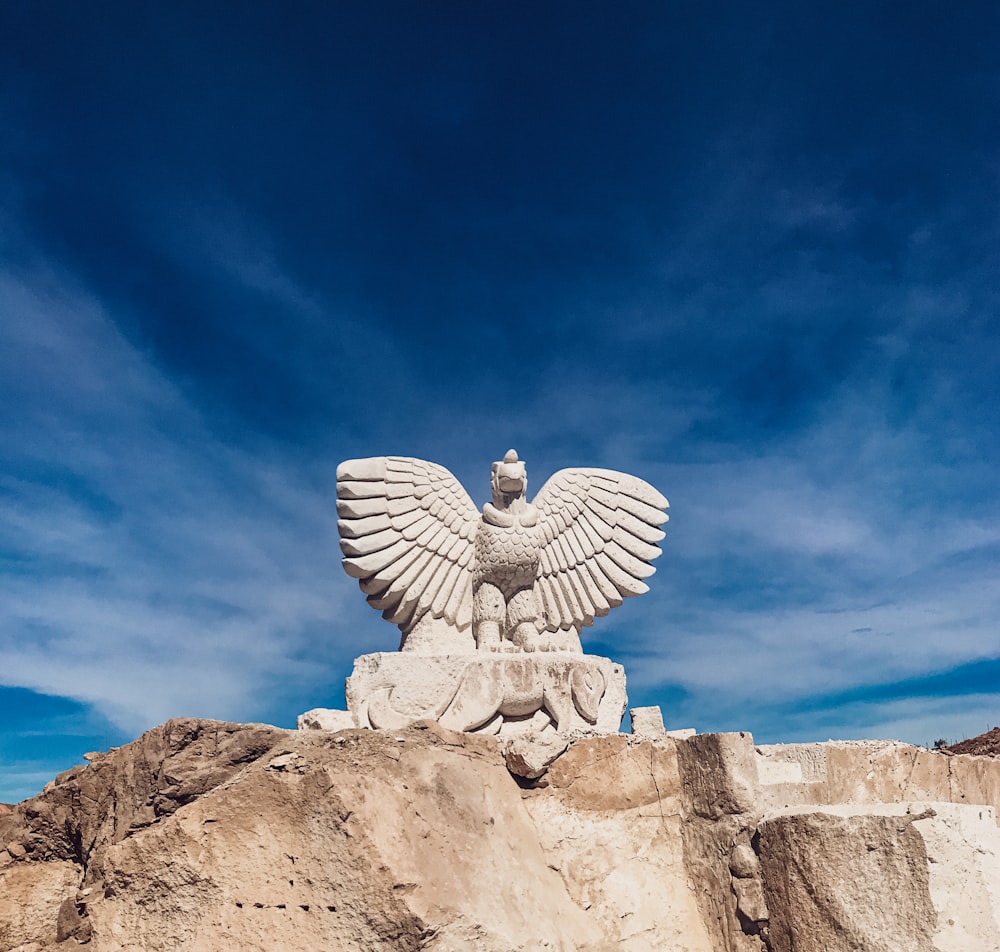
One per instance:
(211,836)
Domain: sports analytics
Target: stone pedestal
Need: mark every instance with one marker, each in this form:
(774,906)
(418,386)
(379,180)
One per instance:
(489,693)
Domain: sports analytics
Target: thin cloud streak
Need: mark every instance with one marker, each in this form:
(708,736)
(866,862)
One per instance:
(200,569)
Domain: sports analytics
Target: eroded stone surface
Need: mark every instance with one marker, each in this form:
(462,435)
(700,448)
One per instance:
(647,721)
(846,883)
(529,754)
(610,821)
(326,719)
(203,836)
(489,693)
(297,840)
(31,895)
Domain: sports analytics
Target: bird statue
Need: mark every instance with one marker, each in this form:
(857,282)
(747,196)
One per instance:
(525,576)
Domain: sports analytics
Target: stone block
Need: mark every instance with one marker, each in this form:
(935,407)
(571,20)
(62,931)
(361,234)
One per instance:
(846,883)
(529,754)
(326,719)
(488,692)
(647,721)
(719,773)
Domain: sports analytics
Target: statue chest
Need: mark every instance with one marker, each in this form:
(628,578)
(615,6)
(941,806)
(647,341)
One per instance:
(507,554)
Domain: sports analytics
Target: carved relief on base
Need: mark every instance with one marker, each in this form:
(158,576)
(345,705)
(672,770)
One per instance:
(488,693)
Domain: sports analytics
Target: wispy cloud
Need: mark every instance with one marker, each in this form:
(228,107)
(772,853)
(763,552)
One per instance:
(152,569)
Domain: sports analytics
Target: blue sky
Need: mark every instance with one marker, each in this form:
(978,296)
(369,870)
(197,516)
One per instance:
(746,252)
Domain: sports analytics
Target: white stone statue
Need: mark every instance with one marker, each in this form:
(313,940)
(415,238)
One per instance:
(525,576)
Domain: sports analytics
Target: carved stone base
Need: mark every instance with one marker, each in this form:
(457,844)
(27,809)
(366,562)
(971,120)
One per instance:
(489,693)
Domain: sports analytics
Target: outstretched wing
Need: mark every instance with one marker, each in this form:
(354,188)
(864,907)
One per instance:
(600,530)
(407,531)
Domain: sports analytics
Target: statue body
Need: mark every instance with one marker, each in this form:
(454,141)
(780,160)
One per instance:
(523,576)
(508,549)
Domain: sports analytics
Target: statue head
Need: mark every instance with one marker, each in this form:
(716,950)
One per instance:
(509,480)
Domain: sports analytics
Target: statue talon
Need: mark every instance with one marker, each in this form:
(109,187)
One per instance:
(526,637)
(488,637)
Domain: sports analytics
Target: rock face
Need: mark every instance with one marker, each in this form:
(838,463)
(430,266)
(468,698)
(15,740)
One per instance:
(205,836)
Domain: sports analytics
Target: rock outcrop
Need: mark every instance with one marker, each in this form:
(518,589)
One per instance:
(205,836)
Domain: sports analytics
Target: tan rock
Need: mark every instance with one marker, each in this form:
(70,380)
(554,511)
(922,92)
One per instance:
(647,721)
(205,836)
(841,884)
(529,754)
(871,772)
(31,895)
(326,719)
(610,822)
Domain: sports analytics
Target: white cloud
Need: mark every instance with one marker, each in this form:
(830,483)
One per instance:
(173,574)
(814,568)
(926,719)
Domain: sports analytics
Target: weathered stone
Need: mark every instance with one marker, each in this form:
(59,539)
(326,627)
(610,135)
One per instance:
(202,836)
(354,841)
(609,821)
(870,772)
(487,692)
(743,863)
(71,923)
(14,849)
(682,733)
(647,721)
(751,905)
(719,780)
(325,719)
(529,754)
(31,895)
(720,774)
(841,884)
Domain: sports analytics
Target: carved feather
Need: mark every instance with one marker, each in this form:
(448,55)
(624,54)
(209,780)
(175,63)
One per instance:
(407,528)
(600,529)
(353,528)
(360,508)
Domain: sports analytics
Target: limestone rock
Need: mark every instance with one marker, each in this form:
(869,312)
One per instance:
(647,721)
(31,896)
(204,836)
(529,754)
(326,719)
(487,692)
(610,821)
(846,883)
